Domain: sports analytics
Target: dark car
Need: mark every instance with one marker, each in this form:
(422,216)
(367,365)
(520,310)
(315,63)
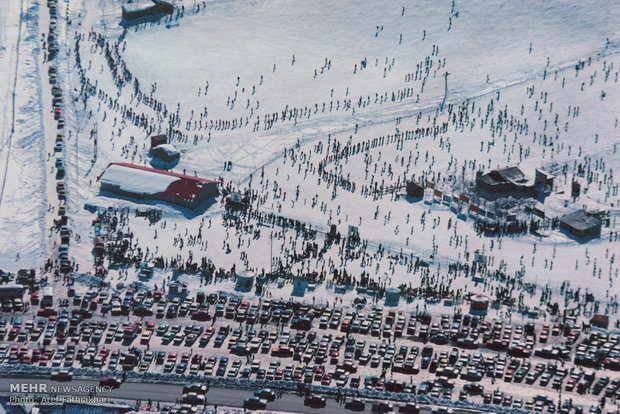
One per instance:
(110,382)
(142,311)
(265,394)
(254,403)
(409,408)
(355,405)
(473,389)
(439,339)
(61,376)
(315,401)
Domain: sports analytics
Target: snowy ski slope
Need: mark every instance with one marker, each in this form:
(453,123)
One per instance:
(259,59)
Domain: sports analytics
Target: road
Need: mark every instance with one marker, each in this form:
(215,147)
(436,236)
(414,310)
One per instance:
(173,392)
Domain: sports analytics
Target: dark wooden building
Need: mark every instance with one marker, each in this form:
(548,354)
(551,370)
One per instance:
(166,152)
(600,321)
(158,140)
(414,189)
(581,224)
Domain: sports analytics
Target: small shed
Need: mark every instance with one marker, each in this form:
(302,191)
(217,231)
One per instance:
(245,280)
(177,289)
(414,189)
(600,321)
(158,140)
(166,152)
(300,284)
(581,224)
(479,304)
(392,296)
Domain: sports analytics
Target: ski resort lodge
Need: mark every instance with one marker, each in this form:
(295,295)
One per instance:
(148,183)
(504,180)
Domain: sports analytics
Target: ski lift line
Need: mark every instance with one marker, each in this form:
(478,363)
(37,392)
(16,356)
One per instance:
(10,139)
(410,113)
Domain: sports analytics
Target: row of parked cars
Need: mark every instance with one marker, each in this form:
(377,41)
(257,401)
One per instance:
(300,354)
(315,355)
(58,108)
(465,332)
(52,42)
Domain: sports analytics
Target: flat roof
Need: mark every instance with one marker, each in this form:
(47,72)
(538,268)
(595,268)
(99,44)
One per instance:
(579,220)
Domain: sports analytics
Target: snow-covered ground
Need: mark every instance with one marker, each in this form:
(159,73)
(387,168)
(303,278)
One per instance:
(246,80)
(23,202)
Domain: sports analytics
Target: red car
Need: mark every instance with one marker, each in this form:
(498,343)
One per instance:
(43,360)
(612,363)
(13,333)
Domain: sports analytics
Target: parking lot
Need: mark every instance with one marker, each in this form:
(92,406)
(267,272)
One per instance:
(449,357)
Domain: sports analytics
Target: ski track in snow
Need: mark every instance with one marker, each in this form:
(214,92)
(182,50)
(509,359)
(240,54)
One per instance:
(231,39)
(170,67)
(23,200)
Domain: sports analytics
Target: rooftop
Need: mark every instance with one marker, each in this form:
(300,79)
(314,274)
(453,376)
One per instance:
(580,220)
(168,149)
(137,5)
(512,174)
(137,179)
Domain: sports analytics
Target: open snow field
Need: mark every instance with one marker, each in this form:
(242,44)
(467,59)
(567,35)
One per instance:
(23,202)
(246,80)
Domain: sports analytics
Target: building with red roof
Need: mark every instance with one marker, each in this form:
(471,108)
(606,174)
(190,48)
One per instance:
(152,184)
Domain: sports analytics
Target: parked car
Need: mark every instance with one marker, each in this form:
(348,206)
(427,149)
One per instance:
(110,382)
(315,401)
(61,376)
(254,403)
(266,394)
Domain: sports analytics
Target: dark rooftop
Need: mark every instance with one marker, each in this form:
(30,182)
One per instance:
(579,220)
(512,174)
